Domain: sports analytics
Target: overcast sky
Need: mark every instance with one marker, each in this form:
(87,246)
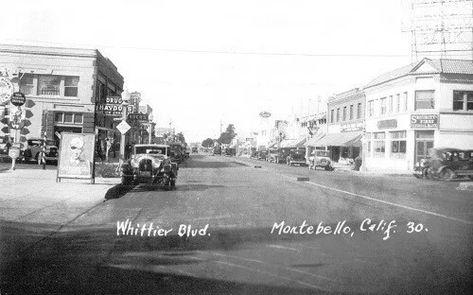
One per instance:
(201,62)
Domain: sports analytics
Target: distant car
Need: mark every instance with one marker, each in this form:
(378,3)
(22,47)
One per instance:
(34,147)
(320,158)
(296,157)
(5,145)
(150,163)
(217,150)
(230,152)
(445,164)
(176,152)
(195,150)
(262,155)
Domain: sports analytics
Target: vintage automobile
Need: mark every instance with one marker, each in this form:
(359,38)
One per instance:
(262,155)
(217,150)
(176,153)
(33,149)
(320,158)
(150,163)
(445,164)
(278,155)
(195,150)
(296,157)
(5,144)
(230,152)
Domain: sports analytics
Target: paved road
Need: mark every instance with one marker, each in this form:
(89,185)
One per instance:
(237,212)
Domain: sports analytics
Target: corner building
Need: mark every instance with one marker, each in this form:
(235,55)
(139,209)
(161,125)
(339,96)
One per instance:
(417,107)
(64,84)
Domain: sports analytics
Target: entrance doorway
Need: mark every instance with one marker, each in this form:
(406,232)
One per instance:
(424,141)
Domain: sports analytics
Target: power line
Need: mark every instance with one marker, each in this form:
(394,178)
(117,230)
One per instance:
(226,52)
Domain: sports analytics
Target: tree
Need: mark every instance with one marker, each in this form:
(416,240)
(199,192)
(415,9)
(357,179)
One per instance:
(227,136)
(209,142)
(180,137)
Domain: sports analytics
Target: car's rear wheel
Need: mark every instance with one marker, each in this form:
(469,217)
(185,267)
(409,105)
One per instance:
(447,174)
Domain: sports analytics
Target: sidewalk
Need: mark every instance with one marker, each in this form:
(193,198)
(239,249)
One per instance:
(33,195)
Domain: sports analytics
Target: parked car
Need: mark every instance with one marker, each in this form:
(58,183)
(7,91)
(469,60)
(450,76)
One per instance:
(195,150)
(217,150)
(176,153)
(445,164)
(296,156)
(150,163)
(320,158)
(5,144)
(278,155)
(230,152)
(262,155)
(34,147)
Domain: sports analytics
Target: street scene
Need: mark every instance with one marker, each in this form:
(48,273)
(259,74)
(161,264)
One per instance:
(259,147)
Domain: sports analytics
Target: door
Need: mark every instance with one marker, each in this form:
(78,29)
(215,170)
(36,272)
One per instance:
(424,142)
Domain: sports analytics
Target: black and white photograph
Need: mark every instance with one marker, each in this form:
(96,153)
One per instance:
(242,147)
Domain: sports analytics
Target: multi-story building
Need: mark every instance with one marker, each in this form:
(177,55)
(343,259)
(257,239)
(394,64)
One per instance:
(64,84)
(416,107)
(135,99)
(345,123)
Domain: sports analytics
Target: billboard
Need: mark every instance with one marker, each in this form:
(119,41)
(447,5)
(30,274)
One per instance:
(76,155)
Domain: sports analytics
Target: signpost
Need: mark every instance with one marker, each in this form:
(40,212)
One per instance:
(18,99)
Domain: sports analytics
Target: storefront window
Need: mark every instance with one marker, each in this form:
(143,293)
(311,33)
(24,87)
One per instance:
(398,144)
(424,99)
(463,100)
(379,144)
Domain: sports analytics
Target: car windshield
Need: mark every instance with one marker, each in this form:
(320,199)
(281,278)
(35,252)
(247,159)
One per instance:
(150,150)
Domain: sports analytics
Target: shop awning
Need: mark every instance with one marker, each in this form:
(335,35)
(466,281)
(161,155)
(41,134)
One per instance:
(340,139)
(313,141)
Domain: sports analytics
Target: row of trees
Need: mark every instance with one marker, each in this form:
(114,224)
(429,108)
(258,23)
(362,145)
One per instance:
(226,137)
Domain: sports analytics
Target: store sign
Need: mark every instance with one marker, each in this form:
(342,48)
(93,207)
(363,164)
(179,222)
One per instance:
(6,89)
(138,117)
(424,121)
(18,99)
(349,127)
(387,124)
(113,106)
(110,109)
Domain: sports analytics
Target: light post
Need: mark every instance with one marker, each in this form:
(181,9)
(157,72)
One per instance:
(125,99)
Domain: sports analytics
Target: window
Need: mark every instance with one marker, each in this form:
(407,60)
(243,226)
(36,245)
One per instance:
(398,144)
(338,114)
(424,99)
(68,118)
(463,100)
(358,111)
(378,144)
(70,86)
(49,85)
(344,113)
(382,106)
(371,108)
(405,101)
(331,116)
(27,84)
(351,112)
(397,104)
(390,104)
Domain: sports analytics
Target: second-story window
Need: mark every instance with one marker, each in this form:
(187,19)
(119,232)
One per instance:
(371,108)
(338,114)
(344,113)
(71,86)
(358,111)
(351,113)
(49,85)
(332,118)
(382,106)
(463,100)
(424,99)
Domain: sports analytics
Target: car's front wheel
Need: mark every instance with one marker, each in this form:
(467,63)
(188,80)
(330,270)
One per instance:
(447,174)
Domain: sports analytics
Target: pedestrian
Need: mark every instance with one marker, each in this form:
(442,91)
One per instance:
(358,163)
